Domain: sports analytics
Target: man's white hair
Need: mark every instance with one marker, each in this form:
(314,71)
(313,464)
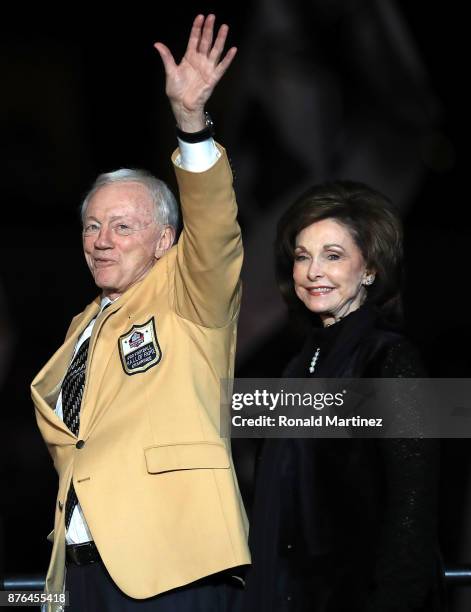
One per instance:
(166,207)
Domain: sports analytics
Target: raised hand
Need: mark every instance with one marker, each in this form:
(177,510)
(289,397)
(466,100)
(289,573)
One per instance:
(190,84)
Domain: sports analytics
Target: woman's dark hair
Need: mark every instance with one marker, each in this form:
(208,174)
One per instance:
(374,225)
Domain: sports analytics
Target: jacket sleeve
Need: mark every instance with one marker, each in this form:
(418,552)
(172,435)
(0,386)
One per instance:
(209,251)
(406,567)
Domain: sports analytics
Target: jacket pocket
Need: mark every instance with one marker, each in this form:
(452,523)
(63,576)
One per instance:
(187,456)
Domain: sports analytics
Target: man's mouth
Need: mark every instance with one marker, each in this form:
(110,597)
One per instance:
(103,263)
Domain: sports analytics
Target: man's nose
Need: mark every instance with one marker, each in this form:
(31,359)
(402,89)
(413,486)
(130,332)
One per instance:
(104,238)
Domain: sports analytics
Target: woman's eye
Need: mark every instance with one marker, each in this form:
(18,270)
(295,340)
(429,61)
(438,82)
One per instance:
(333,256)
(300,257)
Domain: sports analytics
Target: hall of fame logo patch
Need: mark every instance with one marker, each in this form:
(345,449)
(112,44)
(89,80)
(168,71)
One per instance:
(139,348)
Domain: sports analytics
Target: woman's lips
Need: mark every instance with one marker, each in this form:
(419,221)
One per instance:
(317,291)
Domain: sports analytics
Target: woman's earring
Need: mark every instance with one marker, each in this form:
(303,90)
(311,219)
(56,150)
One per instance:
(369,280)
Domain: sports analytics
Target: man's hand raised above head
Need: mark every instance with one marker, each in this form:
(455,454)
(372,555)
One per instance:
(189,85)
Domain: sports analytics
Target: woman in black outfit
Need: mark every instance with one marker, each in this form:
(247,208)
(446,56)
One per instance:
(345,525)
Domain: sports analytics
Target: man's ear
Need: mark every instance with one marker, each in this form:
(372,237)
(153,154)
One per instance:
(165,241)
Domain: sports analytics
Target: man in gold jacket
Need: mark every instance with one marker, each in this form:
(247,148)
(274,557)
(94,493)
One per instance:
(148,501)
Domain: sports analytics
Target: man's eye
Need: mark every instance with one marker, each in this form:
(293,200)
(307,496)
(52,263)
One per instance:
(123,229)
(92,228)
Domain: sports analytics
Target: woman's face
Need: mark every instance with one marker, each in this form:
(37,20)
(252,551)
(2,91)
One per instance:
(329,270)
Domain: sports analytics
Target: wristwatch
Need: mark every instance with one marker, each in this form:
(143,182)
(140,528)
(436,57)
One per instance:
(204,134)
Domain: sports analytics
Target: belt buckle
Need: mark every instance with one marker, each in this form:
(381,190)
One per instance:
(83,554)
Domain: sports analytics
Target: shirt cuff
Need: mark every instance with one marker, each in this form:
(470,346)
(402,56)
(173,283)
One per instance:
(197,156)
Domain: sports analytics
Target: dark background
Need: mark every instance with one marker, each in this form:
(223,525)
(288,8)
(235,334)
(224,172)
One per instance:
(83,93)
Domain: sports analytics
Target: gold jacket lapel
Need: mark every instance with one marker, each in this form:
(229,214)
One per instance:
(46,386)
(102,346)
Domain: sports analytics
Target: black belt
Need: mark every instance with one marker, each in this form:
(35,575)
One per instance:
(82,554)
(87,553)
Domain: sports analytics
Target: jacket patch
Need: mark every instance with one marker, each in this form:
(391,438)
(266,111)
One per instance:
(139,348)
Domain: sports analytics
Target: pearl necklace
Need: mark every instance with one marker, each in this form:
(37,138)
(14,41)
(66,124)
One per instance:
(315,357)
(312,367)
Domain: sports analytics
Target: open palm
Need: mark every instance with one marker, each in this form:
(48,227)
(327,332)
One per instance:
(190,84)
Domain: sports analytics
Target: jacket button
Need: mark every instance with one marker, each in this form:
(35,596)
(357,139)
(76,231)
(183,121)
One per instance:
(80,444)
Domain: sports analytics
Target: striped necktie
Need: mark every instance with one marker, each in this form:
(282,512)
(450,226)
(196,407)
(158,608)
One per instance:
(72,392)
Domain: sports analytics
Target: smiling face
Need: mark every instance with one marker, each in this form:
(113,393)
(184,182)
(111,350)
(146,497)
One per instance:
(329,270)
(121,239)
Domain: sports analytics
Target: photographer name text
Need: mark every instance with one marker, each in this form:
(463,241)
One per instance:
(319,420)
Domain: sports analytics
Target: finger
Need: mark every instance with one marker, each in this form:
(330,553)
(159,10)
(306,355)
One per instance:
(225,62)
(219,43)
(166,57)
(195,34)
(207,35)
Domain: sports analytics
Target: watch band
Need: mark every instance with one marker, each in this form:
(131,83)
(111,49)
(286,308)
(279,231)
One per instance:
(204,134)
